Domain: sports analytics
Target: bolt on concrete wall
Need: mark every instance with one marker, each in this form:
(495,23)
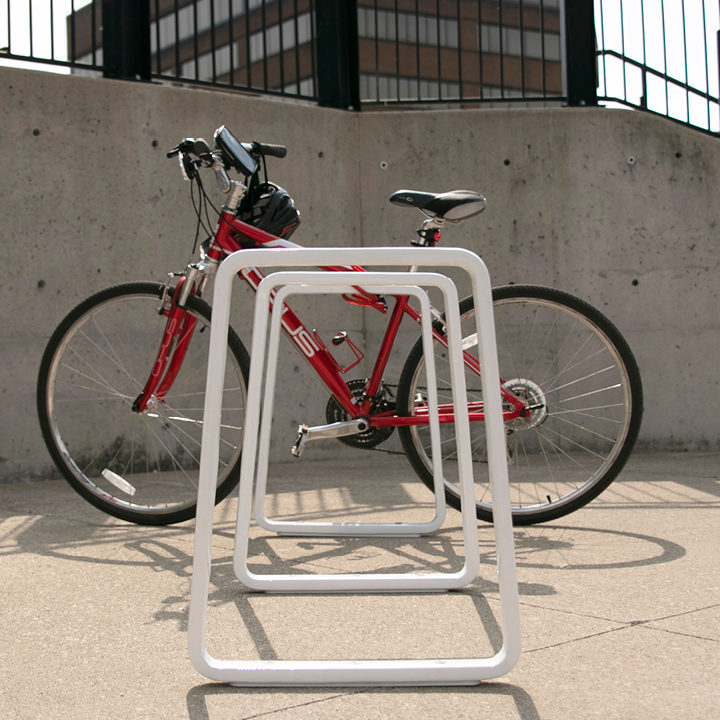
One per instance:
(617,207)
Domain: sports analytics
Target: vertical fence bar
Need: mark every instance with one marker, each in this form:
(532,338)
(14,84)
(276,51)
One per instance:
(418,86)
(685,59)
(93,22)
(461,92)
(439,49)
(231,40)
(602,45)
(707,62)
(9,34)
(580,53)
(73,51)
(52,32)
(665,68)
(643,99)
(501,50)
(195,40)
(622,50)
(158,49)
(480,50)
(213,46)
(313,54)
(521,19)
(376,45)
(177,39)
(281,44)
(543,55)
(297,47)
(248,56)
(30,26)
(337,51)
(397,51)
(263,35)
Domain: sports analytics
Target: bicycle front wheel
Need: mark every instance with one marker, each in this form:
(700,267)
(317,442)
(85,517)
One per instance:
(140,467)
(580,381)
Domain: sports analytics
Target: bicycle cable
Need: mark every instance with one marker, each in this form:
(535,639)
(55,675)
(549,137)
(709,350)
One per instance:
(200,206)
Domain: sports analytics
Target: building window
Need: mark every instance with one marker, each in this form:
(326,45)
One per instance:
(382,87)
(205,64)
(185,25)
(405,27)
(305,88)
(529,44)
(266,43)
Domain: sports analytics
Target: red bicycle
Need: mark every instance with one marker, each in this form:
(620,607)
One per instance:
(122,380)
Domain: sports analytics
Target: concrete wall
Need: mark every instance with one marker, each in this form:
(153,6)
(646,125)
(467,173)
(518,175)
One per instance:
(88,199)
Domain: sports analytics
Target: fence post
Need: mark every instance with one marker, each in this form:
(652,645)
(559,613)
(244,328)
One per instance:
(580,56)
(337,54)
(126,39)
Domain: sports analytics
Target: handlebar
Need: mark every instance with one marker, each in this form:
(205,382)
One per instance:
(206,157)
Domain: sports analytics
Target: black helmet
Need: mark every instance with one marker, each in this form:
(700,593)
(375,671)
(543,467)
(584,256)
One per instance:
(270,208)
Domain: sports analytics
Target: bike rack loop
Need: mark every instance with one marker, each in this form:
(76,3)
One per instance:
(344,582)
(322,283)
(356,672)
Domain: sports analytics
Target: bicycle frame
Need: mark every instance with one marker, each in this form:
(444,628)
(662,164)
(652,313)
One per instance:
(232,235)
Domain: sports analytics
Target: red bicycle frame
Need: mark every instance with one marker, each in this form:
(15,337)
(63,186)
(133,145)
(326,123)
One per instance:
(232,235)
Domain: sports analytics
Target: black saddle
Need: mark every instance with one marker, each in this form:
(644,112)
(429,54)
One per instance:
(453,206)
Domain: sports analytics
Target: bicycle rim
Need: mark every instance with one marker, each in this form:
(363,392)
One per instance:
(140,467)
(575,372)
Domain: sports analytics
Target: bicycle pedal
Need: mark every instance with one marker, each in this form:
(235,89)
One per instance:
(299,446)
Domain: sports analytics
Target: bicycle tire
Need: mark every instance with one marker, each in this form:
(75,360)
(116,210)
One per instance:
(94,366)
(571,362)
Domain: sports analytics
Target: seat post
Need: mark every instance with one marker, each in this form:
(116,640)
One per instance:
(429,232)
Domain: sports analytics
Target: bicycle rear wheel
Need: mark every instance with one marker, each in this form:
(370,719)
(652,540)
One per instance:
(577,373)
(140,467)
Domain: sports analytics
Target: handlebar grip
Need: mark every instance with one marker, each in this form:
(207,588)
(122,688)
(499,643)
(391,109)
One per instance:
(278,151)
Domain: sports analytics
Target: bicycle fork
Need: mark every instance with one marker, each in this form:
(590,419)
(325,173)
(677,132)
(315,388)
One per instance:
(177,335)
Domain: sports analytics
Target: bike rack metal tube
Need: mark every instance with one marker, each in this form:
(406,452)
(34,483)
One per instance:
(377,582)
(322,283)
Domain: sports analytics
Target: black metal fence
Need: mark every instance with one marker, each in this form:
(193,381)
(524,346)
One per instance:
(657,55)
(661,56)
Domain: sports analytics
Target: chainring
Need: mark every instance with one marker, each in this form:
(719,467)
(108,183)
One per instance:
(334,412)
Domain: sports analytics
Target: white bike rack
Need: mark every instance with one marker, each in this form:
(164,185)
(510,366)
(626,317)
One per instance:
(356,672)
(322,283)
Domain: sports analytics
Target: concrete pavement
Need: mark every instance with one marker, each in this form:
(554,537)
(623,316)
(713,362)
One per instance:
(620,603)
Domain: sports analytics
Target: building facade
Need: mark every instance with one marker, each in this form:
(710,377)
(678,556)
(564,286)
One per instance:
(451,51)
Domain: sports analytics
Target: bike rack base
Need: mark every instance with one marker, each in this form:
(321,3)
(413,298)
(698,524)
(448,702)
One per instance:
(355,672)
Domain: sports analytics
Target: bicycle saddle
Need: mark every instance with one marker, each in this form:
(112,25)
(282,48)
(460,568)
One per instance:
(453,206)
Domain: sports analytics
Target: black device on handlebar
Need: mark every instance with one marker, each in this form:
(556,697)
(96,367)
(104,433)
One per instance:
(234,154)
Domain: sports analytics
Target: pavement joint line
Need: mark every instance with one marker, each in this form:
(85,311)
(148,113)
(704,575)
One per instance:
(644,624)
(686,612)
(628,623)
(569,641)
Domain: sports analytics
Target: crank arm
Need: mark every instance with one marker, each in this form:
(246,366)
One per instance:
(322,432)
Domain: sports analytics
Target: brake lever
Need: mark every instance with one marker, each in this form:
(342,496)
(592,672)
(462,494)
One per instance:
(182,147)
(187,166)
